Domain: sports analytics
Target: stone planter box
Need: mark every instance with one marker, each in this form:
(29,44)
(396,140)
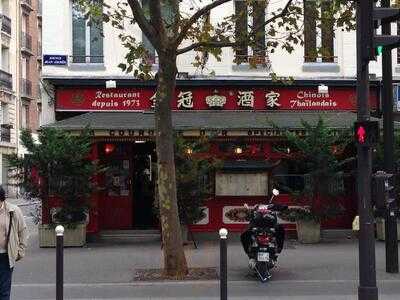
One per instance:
(380,229)
(308,232)
(73,237)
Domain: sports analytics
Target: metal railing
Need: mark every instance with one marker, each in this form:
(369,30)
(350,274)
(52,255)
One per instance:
(26,41)
(5,80)
(252,59)
(320,59)
(26,87)
(39,50)
(26,3)
(39,10)
(5,134)
(6,24)
(87,59)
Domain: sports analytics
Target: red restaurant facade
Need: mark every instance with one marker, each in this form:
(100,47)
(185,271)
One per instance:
(246,118)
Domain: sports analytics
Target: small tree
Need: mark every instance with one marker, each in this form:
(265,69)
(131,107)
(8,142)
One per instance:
(194,168)
(316,156)
(58,166)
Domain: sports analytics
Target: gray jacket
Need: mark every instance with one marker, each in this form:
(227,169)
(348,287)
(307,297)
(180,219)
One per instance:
(18,235)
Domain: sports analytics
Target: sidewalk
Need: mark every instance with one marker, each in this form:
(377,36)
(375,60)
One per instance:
(327,271)
(115,263)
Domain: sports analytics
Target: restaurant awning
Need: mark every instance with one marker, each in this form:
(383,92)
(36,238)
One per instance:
(206,120)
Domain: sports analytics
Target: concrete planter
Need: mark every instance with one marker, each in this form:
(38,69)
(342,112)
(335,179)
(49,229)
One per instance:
(73,237)
(308,232)
(380,229)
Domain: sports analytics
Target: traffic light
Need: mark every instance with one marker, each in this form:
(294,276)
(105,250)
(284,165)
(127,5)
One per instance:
(377,17)
(366,133)
(381,191)
(378,51)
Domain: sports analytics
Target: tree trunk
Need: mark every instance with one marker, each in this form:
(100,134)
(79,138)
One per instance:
(174,257)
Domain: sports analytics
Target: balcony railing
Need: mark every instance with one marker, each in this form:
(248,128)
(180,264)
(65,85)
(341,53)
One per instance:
(5,24)
(26,87)
(27,4)
(26,41)
(39,50)
(39,10)
(87,59)
(5,80)
(5,135)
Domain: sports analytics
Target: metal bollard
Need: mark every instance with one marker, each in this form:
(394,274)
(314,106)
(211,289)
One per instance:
(223,234)
(60,262)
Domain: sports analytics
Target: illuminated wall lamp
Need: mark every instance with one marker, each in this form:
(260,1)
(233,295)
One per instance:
(238,150)
(189,151)
(323,89)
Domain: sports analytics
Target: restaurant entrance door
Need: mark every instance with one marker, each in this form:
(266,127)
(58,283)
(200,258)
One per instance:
(127,186)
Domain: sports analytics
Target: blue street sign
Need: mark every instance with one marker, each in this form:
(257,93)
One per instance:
(55,59)
(396,97)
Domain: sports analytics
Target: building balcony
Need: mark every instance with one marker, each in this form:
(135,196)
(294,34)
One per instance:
(27,5)
(5,80)
(39,9)
(5,133)
(5,24)
(26,88)
(26,43)
(39,50)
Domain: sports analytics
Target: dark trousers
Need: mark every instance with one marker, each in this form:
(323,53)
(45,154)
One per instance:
(5,277)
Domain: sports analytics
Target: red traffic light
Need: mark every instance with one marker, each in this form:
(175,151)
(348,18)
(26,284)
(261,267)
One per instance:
(366,133)
(361,135)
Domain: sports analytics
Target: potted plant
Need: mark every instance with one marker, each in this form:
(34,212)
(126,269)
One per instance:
(194,168)
(58,171)
(315,155)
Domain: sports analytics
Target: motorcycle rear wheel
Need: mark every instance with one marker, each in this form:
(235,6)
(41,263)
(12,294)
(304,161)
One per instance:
(262,271)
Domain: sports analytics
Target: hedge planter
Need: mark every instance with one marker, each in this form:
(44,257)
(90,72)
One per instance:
(308,232)
(73,237)
(380,229)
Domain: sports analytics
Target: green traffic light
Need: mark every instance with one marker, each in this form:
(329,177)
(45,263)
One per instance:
(379,50)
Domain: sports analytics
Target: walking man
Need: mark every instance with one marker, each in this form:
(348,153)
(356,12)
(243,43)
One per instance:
(13,236)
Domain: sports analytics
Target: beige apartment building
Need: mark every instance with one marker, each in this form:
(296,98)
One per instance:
(20,62)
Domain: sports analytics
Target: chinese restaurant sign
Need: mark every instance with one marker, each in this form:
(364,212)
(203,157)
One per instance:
(206,98)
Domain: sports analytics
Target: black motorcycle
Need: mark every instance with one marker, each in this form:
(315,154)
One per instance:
(263,240)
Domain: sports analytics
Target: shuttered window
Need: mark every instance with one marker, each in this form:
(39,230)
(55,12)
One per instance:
(318,42)
(250,19)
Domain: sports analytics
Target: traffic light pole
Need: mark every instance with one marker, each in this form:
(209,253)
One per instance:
(367,289)
(392,257)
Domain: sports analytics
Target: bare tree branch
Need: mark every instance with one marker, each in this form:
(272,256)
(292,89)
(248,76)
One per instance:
(280,15)
(144,24)
(207,44)
(196,16)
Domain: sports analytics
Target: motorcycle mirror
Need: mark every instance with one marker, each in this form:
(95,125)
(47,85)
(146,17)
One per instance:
(275,192)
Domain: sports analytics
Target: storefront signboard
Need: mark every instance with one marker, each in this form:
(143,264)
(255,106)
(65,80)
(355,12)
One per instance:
(213,98)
